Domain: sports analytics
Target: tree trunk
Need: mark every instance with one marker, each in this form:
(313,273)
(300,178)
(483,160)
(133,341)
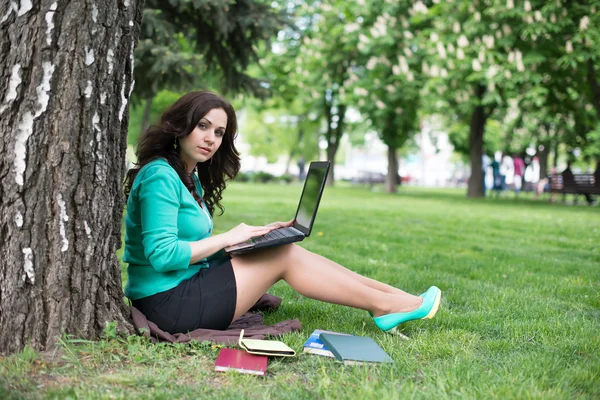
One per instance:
(594,86)
(334,136)
(294,150)
(555,153)
(391,179)
(66,69)
(543,159)
(146,115)
(543,154)
(331,151)
(476,131)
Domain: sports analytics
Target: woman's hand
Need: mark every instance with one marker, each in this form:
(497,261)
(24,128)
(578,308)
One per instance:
(277,225)
(243,232)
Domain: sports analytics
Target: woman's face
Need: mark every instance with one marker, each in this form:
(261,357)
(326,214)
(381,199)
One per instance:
(204,141)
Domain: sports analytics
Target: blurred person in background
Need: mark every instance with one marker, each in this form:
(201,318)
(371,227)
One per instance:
(519,170)
(507,171)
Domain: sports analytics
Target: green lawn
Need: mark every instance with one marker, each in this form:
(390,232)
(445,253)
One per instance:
(520,315)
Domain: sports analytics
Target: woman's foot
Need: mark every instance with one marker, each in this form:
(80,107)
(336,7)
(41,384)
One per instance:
(427,309)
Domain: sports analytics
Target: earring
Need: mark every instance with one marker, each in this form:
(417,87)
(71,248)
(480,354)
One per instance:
(175,143)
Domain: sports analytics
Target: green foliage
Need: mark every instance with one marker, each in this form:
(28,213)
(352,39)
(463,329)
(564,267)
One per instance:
(187,44)
(388,76)
(273,129)
(263,177)
(160,103)
(494,140)
(286,178)
(242,177)
(110,331)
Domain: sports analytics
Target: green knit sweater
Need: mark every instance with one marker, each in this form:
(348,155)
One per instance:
(162,218)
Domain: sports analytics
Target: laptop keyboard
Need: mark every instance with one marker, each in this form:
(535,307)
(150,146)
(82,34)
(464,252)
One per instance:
(276,234)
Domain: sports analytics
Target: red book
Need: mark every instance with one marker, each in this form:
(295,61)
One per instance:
(241,361)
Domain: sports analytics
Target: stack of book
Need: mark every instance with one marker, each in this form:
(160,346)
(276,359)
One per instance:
(348,349)
(254,356)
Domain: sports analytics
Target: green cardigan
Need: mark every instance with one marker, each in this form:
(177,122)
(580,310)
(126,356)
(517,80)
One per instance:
(162,218)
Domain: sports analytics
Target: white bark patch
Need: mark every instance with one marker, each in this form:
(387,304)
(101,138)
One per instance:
(130,23)
(25,127)
(95,121)
(131,87)
(19,219)
(25,7)
(102,97)
(13,84)
(110,55)
(88,90)
(123,100)
(88,231)
(94,13)
(49,17)
(25,130)
(89,56)
(44,88)
(98,131)
(12,7)
(63,218)
(94,18)
(126,3)
(28,264)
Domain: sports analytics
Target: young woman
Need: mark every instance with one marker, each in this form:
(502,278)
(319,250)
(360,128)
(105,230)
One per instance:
(177,278)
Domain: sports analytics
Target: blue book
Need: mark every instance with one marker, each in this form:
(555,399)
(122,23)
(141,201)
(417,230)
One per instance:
(314,345)
(354,349)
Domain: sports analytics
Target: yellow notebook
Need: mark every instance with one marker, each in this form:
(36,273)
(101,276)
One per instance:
(265,347)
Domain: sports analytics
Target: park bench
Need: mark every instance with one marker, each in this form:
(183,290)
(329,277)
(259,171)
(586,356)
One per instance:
(582,184)
(369,177)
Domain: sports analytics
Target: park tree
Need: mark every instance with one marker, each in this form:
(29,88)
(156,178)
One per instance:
(306,69)
(273,127)
(486,55)
(328,54)
(288,120)
(572,70)
(388,80)
(67,75)
(474,64)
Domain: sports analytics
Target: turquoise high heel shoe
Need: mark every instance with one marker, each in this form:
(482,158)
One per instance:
(427,309)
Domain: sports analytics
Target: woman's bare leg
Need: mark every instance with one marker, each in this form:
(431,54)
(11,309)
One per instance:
(312,276)
(367,281)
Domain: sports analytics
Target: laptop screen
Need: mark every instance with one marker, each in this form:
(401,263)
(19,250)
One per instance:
(311,195)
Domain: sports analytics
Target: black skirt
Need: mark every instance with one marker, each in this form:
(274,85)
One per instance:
(206,300)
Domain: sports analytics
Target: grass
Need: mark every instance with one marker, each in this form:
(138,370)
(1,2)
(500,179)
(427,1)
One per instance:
(519,318)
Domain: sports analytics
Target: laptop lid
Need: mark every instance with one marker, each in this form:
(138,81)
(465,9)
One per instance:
(314,184)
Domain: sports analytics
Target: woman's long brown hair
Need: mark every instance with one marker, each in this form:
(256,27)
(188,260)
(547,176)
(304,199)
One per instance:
(178,121)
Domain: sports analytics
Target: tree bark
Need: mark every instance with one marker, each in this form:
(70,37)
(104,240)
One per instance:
(543,154)
(294,150)
(391,179)
(594,86)
(555,152)
(334,136)
(66,69)
(476,130)
(543,159)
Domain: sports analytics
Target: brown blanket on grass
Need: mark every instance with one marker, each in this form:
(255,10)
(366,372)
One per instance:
(253,325)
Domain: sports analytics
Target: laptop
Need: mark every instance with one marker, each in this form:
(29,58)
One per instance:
(314,185)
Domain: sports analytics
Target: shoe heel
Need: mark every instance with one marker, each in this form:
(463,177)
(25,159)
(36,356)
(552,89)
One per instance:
(435,307)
